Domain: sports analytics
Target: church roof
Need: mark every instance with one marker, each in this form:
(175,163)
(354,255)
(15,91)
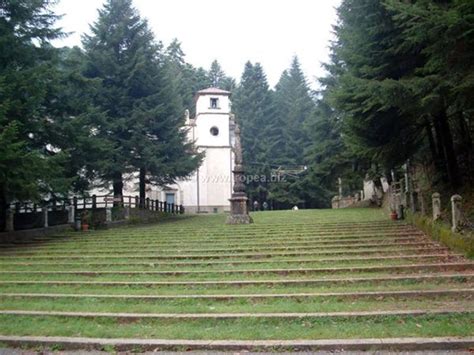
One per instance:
(213,91)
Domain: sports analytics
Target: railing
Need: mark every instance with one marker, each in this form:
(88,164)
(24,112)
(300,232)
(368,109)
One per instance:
(46,213)
(97,201)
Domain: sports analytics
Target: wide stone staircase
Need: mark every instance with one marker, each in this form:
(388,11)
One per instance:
(303,280)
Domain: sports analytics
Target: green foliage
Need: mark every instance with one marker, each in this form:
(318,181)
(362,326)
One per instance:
(77,120)
(444,78)
(184,76)
(22,171)
(275,135)
(218,78)
(329,158)
(368,93)
(252,105)
(31,158)
(288,134)
(140,104)
(400,82)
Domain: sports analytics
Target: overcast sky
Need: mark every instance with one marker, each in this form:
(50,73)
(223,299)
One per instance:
(232,31)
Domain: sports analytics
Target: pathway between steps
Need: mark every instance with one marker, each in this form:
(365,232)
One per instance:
(294,281)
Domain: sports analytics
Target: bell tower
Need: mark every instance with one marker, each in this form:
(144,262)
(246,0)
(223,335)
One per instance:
(212,130)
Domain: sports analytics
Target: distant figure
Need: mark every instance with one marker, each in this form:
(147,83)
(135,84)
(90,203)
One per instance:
(295,208)
(265,205)
(255,205)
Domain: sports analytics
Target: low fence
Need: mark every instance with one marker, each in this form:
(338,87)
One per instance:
(102,209)
(416,202)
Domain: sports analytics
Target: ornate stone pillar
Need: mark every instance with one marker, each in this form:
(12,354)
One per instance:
(239,213)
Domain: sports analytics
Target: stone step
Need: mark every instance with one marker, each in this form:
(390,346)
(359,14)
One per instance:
(351,280)
(213,262)
(278,234)
(431,250)
(226,244)
(134,345)
(261,228)
(462,292)
(137,316)
(458,266)
(321,248)
(257,229)
(223,243)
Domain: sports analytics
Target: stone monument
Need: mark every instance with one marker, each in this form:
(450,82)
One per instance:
(239,213)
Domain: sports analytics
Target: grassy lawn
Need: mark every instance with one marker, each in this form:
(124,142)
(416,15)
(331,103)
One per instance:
(234,306)
(286,245)
(305,328)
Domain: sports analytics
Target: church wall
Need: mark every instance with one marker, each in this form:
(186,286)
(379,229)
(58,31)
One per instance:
(203,135)
(215,177)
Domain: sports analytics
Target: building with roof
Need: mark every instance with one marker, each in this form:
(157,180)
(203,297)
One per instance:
(209,189)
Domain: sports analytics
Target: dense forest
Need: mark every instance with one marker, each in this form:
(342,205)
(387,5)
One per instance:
(399,86)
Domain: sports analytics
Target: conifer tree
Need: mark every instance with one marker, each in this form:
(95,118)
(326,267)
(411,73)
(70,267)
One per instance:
(368,94)
(29,166)
(294,108)
(142,110)
(219,79)
(443,82)
(252,105)
(182,74)
(400,80)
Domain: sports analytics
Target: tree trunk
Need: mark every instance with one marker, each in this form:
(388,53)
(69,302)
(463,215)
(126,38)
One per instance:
(431,141)
(464,132)
(142,184)
(118,189)
(449,153)
(441,152)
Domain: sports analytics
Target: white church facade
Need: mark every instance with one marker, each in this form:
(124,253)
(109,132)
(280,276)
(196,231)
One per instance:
(209,189)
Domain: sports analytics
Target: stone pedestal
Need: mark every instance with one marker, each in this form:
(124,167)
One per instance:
(239,213)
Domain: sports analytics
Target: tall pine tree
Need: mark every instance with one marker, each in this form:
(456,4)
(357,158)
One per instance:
(443,81)
(219,79)
(30,164)
(294,108)
(142,109)
(403,81)
(252,104)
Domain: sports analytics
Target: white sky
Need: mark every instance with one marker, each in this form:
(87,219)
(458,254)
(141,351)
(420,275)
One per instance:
(232,31)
